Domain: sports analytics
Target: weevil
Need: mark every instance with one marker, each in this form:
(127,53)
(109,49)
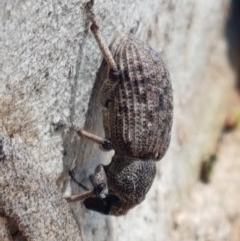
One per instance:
(138,109)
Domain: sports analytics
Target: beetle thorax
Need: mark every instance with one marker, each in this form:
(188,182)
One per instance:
(130,178)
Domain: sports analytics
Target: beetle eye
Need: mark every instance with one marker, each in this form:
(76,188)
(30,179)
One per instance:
(100,187)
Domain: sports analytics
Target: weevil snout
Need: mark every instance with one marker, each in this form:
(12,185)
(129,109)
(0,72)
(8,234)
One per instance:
(99,181)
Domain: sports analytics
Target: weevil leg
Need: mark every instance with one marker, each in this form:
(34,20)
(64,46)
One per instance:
(72,175)
(114,73)
(98,36)
(105,144)
(81,196)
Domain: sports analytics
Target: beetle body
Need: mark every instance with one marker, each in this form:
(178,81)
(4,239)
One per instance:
(137,117)
(139,103)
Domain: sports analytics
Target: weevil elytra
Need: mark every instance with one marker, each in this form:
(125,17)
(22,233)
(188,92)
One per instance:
(138,109)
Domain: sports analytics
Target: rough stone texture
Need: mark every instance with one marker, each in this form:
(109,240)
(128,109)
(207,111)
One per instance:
(48,62)
(212,211)
(4,231)
(28,199)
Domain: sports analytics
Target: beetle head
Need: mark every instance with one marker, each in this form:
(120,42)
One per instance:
(99,181)
(122,185)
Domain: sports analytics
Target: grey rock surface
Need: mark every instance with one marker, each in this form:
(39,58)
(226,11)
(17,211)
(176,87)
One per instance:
(48,64)
(28,200)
